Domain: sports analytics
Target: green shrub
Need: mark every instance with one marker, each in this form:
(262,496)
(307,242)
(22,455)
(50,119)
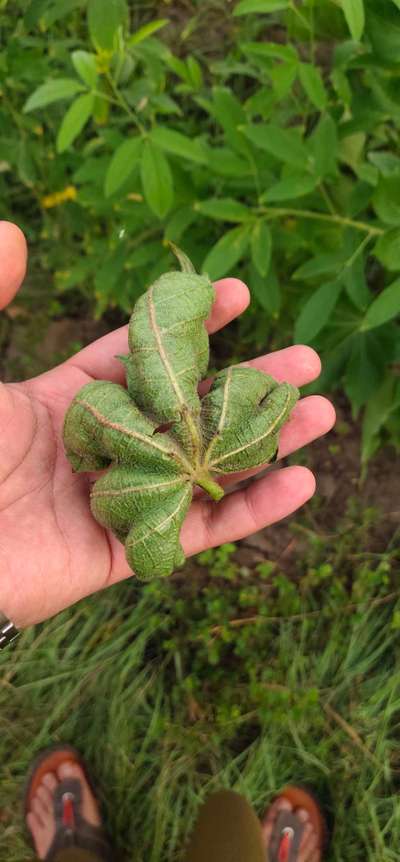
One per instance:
(275,160)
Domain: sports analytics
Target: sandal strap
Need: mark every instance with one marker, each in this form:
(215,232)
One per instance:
(72,830)
(285,839)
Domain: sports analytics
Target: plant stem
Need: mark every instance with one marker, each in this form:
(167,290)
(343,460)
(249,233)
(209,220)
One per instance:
(123,104)
(279,212)
(328,201)
(207,483)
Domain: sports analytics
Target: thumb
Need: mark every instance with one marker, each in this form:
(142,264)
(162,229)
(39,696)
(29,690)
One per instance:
(13,257)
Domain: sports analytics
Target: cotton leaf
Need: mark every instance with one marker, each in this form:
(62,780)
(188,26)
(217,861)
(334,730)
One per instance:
(157,439)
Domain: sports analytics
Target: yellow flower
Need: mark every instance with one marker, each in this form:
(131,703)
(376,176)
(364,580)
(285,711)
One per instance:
(57,198)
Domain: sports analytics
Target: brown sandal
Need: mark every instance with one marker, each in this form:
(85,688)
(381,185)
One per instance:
(288,829)
(72,830)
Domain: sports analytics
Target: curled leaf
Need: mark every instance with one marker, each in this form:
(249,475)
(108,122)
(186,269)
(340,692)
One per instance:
(156,437)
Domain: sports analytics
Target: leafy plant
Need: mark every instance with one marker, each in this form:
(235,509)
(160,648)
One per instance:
(146,494)
(276,161)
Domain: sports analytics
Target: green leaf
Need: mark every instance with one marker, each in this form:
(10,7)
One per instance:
(317,311)
(356,284)
(178,145)
(247,7)
(261,247)
(85,65)
(322,264)
(387,249)
(267,50)
(266,289)
(146,31)
(179,222)
(223,209)
(125,159)
(230,114)
(226,252)
(195,73)
(157,180)
(74,121)
(258,413)
(383,402)
(384,307)
(355,17)
(324,144)
(313,84)
(386,200)
(289,188)
(145,494)
(363,373)
(52,91)
(387,163)
(226,163)
(105,17)
(284,144)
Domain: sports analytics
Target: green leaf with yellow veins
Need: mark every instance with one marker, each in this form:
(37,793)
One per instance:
(158,439)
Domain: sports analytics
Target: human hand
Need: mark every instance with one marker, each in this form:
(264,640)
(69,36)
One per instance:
(52,551)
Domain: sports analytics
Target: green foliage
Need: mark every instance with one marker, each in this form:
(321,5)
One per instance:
(241,676)
(146,493)
(277,162)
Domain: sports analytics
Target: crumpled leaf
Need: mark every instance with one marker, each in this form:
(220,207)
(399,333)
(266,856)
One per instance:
(158,439)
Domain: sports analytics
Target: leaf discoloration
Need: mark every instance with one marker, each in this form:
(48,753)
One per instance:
(156,437)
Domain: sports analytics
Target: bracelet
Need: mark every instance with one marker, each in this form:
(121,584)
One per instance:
(8,631)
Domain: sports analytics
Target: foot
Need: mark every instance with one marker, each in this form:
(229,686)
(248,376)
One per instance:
(308,851)
(40,819)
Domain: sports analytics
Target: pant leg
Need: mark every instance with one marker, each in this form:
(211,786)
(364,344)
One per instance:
(227,830)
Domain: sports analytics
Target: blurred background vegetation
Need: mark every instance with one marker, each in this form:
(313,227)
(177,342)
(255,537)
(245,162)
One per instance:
(262,136)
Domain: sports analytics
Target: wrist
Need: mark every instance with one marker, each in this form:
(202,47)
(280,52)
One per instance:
(8,631)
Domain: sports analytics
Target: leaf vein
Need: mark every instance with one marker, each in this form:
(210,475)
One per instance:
(266,433)
(163,523)
(135,488)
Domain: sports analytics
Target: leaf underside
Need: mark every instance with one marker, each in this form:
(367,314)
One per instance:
(156,437)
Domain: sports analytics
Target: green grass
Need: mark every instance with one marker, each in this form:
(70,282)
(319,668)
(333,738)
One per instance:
(168,700)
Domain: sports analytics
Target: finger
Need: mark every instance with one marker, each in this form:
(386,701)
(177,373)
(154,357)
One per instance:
(244,512)
(98,359)
(312,417)
(231,299)
(239,514)
(297,365)
(13,257)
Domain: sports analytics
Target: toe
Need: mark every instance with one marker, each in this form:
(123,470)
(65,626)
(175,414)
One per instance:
(46,798)
(309,848)
(279,804)
(302,815)
(70,770)
(89,804)
(307,831)
(309,840)
(39,810)
(33,823)
(50,781)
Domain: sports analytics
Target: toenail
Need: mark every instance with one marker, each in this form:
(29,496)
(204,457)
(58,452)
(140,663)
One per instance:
(66,770)
(283,804)
(302,814)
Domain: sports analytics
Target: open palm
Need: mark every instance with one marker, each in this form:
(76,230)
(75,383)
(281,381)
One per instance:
(52,551)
